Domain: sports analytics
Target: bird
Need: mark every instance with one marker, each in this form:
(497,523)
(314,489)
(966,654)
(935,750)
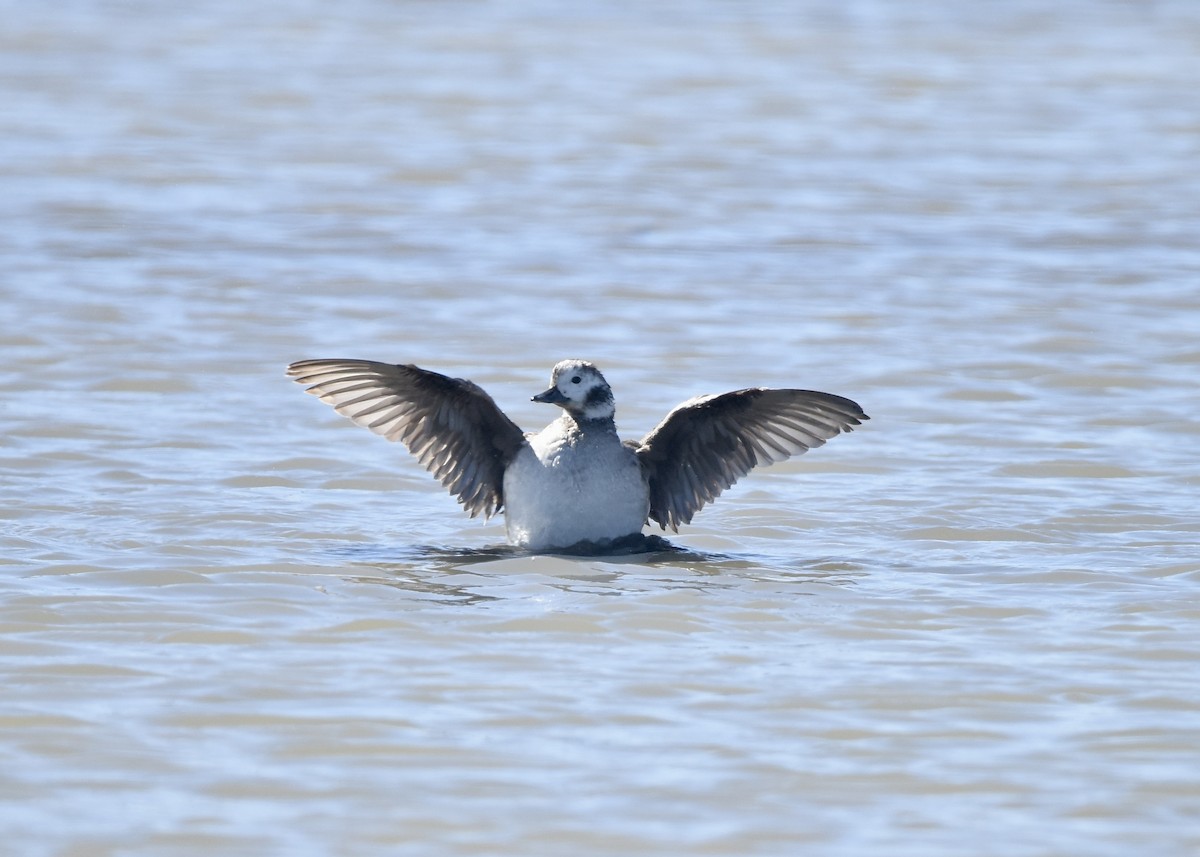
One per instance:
(576,483)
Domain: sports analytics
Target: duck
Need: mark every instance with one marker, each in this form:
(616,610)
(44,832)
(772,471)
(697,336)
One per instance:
(576,483)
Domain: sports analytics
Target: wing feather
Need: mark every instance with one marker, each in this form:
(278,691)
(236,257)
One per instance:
(706,444)
(452,427)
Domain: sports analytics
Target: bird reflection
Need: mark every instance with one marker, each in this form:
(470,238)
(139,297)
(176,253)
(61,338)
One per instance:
(470,575)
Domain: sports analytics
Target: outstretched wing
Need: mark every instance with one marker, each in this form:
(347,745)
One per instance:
(708,443)
(451,425)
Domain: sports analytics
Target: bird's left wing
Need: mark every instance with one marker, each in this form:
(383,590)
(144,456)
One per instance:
(451,425)
(708,443)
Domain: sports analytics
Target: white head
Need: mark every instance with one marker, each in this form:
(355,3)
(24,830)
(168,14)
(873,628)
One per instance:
(578,387)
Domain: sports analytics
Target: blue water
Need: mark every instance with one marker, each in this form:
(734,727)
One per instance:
(232,622)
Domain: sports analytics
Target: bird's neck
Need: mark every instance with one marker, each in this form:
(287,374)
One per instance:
(585,424)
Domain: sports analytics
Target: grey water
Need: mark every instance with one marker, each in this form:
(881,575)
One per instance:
(233,623)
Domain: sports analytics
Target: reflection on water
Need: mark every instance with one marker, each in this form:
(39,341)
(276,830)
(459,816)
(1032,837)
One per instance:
(473,575)
(640,546)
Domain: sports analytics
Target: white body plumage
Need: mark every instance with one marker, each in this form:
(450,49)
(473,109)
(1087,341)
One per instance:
(571,485)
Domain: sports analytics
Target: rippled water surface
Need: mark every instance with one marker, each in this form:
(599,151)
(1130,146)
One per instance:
(233,623)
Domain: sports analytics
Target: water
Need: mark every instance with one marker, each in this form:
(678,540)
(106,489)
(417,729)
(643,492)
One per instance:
(233,623)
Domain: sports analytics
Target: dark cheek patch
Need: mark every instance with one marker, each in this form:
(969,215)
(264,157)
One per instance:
(597,396)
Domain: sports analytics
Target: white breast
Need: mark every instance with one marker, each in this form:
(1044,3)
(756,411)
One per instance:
(568,486)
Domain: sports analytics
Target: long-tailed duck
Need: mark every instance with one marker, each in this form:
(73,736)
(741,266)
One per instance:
(575,481)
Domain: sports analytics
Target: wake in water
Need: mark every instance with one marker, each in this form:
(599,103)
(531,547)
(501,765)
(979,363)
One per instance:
(651,549)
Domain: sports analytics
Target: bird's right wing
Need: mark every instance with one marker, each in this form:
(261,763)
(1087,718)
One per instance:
(708,443)
(451,425)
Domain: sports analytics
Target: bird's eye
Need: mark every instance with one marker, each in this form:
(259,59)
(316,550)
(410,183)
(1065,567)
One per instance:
(575,380)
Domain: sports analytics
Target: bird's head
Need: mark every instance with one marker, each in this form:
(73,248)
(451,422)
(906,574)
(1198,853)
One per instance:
(577,387)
